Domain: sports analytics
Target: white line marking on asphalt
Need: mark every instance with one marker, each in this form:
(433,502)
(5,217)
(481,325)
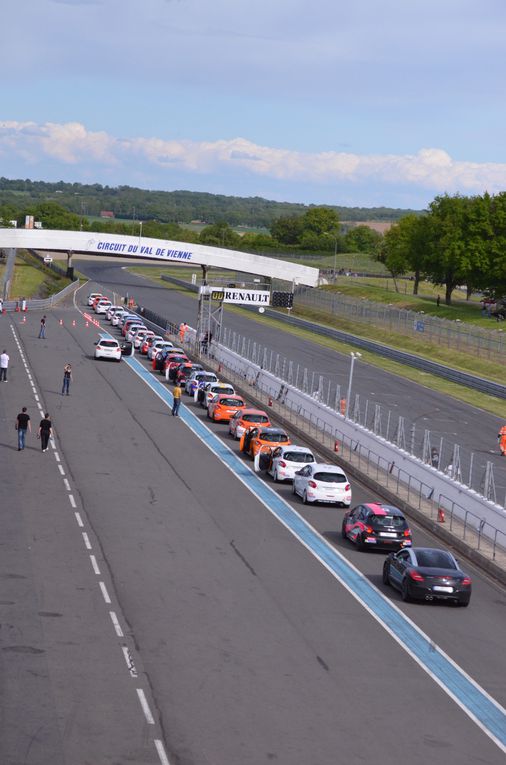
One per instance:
(53,443)
(36,397)
(61,470)
(161,752)
(117,627)
(95,565)
(79,519)
(87,542)
(57,456)
(104,592)
(66,484)
(145,706)
(129,661)
(72,500)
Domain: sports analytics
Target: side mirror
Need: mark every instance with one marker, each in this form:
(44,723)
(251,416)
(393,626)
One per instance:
(95,343)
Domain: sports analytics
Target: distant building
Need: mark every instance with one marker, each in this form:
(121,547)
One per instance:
(107,214)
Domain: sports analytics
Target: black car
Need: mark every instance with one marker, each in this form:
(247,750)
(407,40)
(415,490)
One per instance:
(377,526)
(425,573)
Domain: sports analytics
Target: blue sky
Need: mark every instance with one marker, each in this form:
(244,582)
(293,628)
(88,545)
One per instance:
(326,102)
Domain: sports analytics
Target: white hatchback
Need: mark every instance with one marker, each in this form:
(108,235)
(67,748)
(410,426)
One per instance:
(286,460)
(108,348)
(102,306)
(159,345)
(320,482)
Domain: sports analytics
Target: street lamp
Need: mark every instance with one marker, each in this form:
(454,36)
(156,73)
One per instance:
(354,355)
(140,232)
(335,259)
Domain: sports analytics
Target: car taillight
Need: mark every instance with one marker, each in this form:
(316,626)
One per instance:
(312,484)
(415,576)
(347,487)
(281,463)
(466,580)
(407,532)
(369,529)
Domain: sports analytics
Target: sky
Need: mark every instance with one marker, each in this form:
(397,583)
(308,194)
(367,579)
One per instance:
(325,102)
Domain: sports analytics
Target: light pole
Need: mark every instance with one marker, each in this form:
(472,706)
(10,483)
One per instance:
(354,355)
(335,259)
(140,232)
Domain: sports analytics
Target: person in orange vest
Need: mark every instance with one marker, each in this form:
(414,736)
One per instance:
(182,331)
(501,437)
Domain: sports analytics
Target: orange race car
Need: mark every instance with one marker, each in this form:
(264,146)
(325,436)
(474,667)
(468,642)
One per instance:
(223,406)
(247,418)
(260,439)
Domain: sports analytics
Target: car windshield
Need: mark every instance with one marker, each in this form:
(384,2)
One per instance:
(255,418)
(231,402)
(274,438)
(434,559)
(330,477)
(298,457)
(397,521)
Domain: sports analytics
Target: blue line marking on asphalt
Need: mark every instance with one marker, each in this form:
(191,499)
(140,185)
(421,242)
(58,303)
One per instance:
(488,714)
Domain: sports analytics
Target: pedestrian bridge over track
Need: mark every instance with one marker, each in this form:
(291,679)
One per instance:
(142,248)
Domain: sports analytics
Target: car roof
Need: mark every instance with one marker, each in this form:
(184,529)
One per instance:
(378,508)
(294,448)
(235,396)
(271,431)
(253,411)
(328,466)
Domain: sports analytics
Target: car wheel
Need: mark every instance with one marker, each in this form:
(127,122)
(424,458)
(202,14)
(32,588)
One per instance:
(305,499)
(293,488)
(343,531)
(405,592)
(463,603)
(208,415)
(386,575)
(359,543)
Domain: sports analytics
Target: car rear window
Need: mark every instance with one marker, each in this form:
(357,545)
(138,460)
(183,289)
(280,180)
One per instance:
(109,344)
(231,402)
(255,418)
(330,477)
(275,438)
(298,457)
(434,559)
(221,389)
(397,521)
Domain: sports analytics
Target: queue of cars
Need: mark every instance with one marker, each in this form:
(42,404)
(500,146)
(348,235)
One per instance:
(418,573)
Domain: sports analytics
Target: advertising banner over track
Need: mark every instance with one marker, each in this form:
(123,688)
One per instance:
(237,295)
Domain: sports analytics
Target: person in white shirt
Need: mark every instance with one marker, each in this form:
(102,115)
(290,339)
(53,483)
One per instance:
(4,365)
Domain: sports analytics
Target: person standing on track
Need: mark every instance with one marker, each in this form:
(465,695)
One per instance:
(176,393)
(45,431)
(501,437)
(42,332)
(22,425)
(67,378)
(4,365)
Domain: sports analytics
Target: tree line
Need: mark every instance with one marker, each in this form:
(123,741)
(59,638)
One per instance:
(130,203)
(460,241)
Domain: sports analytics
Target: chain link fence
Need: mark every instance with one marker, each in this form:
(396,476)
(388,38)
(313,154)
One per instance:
(483,343)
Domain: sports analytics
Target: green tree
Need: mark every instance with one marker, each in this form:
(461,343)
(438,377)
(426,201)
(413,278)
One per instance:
(220,235)
(287,230)
(321,221)
(362,239)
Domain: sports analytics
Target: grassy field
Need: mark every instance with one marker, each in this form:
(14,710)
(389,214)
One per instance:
(32,280)
(461,361)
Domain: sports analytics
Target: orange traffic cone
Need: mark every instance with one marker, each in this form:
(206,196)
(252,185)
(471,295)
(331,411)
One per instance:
(336,447)
(61,321)
(270,401)
(73,322)
(87,325)
(440,515)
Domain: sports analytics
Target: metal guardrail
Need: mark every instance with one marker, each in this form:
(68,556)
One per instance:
(43,303)
(402,357)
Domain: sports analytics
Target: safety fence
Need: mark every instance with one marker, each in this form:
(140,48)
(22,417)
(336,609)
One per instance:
(480,342)
(33,304)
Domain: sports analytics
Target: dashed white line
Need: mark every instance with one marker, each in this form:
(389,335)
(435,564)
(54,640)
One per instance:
(79,520)
(72,500)
(57,456)
(94,565)
(145,706)
(87,542)
(36,397)
(161,752)
(129,661)
(117,626)
(104,592)
(61,470)
(66,484)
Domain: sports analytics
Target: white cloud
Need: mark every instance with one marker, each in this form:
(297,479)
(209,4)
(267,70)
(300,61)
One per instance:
(72,144)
